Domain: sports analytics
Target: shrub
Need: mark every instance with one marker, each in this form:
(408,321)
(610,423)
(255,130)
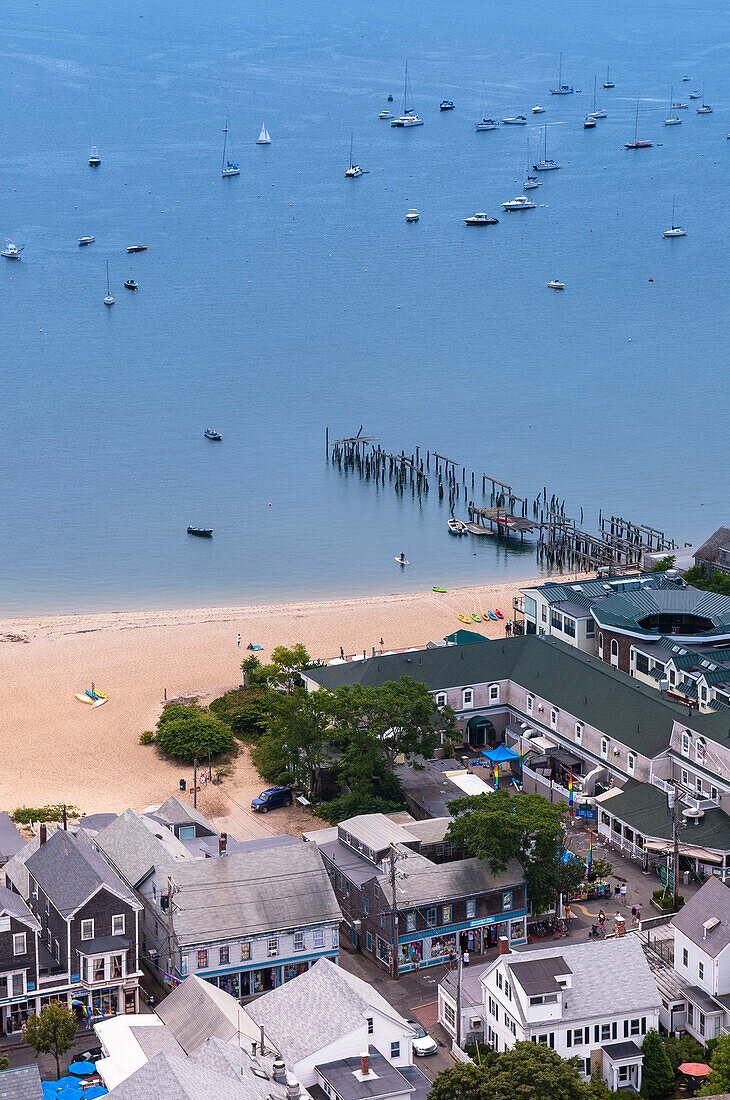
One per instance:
(26,814)
(147,738)
(184,731)
(658,1075)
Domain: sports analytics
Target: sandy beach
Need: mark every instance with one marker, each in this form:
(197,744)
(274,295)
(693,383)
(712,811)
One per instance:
(58,750)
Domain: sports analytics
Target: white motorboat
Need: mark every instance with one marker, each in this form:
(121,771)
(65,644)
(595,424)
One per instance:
(412,215)
(538,109)
(109,300)
(487,124)
(517,120)
(11,251)
(545,164)
(86,240)
(481,219)
(264,137)
(555,284)
(94,158)
(408,116)
(695,95)
(686,79)
(638,143)
(560,88)
(446,105)
(589,123)
(455,526)
(385,114)
(674,230)
(521,202)
(228,168)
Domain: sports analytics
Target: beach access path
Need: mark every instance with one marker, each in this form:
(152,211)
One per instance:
(57,750)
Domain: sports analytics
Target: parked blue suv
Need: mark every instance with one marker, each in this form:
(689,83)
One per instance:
(271,799)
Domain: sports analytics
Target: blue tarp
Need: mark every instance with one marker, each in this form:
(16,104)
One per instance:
(500,755)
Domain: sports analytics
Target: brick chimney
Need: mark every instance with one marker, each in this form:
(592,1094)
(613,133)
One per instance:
(619,925)
(503,945)
(364,1064)
(43,832)
(222,844)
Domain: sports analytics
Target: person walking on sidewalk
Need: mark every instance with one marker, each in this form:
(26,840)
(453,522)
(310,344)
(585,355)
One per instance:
(623,893)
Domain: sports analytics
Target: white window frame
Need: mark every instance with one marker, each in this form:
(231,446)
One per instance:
(529,703)
(605,745)
(554,713)
(85,934)
(494,693)
(299,943)
(630,763)
(684,774)
(20,936)
(318,937)
(600,644)
(272,947)
(578,733)
(467,698)
(440,699)
(118,917)
(686,743)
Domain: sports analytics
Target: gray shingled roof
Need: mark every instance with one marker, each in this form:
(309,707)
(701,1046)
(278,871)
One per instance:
(23,1083)
(70,872)
(387,1081)
(135,845)
(709,549)
(196,1010)
(10,839)
(612,701)
(591,993)
(315,1009)
(176,812)
(627,609)
(711,900)
(419,881)
(12,903)
(166,1077)
(252,892)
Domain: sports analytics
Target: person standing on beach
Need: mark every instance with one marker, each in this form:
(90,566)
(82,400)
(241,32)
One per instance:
(238,639)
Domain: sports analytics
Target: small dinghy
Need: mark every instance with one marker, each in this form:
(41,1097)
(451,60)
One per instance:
(201,532)
(211,433)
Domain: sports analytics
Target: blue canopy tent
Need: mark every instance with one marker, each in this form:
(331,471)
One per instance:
(500,755)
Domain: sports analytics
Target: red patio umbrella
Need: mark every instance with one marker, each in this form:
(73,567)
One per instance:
(695,1069)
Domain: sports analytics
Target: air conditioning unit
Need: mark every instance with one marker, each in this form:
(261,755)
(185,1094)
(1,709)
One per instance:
(356,925)
(476,1023)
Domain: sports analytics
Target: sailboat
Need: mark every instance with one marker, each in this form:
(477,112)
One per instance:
(485,123)
(94,158)
(560,88)
(704,109)
(263,138)
(109,300)
(636,143)
(545,165)
(530,181)
(597,112)
(228,168)
(673,120)
(608,83)
(408,118)
(354,170)
(676,230)
(446,104)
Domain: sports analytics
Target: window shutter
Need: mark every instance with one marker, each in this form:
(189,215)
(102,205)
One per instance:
(569,1039)
(626,1029)
(588,1035)
(596,1033)
(614,1030)
(643,1025)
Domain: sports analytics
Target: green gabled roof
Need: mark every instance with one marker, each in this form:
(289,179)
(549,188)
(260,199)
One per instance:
(644,808)
(626,610)
(630,712)
(464,637)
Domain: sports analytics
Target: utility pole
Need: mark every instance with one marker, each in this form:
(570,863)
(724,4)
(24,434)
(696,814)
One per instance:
(675,838)
(458,1002)
(195,783)
(394,912)
(171,888)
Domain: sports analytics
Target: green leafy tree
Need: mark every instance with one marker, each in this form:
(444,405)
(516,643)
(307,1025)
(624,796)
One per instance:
(719,1080)
(184,731)
(51,1032)
(400,716)
(663,564)
(685,1049)
(526,1072)
(245,710)
(462,1082)
(507,825)
(4,1062)
(657,1073)
(366,783)
(716,581)
(296,742)
(285,666)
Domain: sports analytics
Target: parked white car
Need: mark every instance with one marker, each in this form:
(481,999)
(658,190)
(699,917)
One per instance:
(423,1044)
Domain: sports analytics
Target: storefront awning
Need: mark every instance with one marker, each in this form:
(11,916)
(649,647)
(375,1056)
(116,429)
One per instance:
(690,850)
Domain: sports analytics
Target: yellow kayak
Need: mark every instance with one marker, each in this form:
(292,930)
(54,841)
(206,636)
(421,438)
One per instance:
(462,617)
(84,698)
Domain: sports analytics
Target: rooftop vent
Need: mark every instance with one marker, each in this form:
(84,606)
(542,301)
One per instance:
(709,925)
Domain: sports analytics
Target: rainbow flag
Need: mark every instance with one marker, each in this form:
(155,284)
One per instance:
(570,793)
(496,777)
(590,852)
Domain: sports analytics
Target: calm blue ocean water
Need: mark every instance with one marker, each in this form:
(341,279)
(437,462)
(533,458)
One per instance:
(288,299)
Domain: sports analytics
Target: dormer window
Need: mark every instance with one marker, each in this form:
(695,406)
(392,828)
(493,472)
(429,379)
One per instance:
(494,693)
(441,699)
(467,697)
(686,741)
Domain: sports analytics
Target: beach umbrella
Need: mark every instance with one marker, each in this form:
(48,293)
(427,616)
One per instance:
(94,1092)
(50,1089)
(695,1069)
(65,1083)
(82,1069)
